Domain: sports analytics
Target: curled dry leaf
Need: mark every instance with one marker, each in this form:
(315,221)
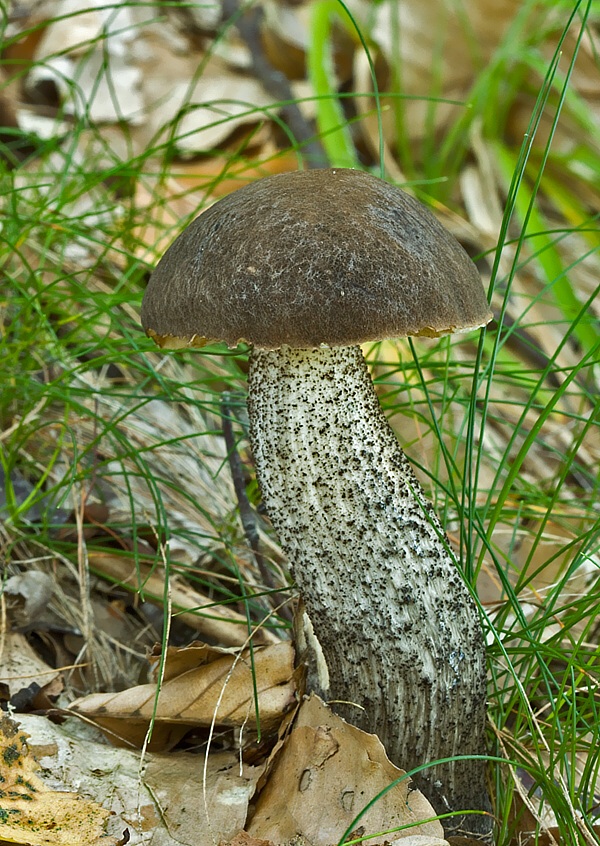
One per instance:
(325,776)
(30,812)
(34,590)
(202,115)
(120,65)
(21,666)
(202,686)
(84,51)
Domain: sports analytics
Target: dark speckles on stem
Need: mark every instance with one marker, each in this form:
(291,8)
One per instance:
(370,559)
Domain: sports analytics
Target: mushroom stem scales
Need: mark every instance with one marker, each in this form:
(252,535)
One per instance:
(398,627)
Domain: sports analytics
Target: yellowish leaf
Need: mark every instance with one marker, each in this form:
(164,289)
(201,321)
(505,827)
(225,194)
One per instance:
(34,815)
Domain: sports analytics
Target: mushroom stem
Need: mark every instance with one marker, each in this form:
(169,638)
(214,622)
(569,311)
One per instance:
(400,632)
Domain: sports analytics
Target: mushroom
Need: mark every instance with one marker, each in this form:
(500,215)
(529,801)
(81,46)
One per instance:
(304,267)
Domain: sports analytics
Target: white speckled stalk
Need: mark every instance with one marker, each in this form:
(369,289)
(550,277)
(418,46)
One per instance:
(399,630)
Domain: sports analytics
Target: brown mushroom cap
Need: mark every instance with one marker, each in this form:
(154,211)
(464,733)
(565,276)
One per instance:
(334,257)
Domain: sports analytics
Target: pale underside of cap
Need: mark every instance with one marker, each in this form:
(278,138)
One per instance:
(324,257)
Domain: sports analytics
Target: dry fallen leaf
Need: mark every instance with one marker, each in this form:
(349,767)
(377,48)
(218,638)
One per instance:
(219,622)
(21,666)
(33,589)
(32,813)
(199,806)
(202,686)
(242,838)
(326,774)
(179,799)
